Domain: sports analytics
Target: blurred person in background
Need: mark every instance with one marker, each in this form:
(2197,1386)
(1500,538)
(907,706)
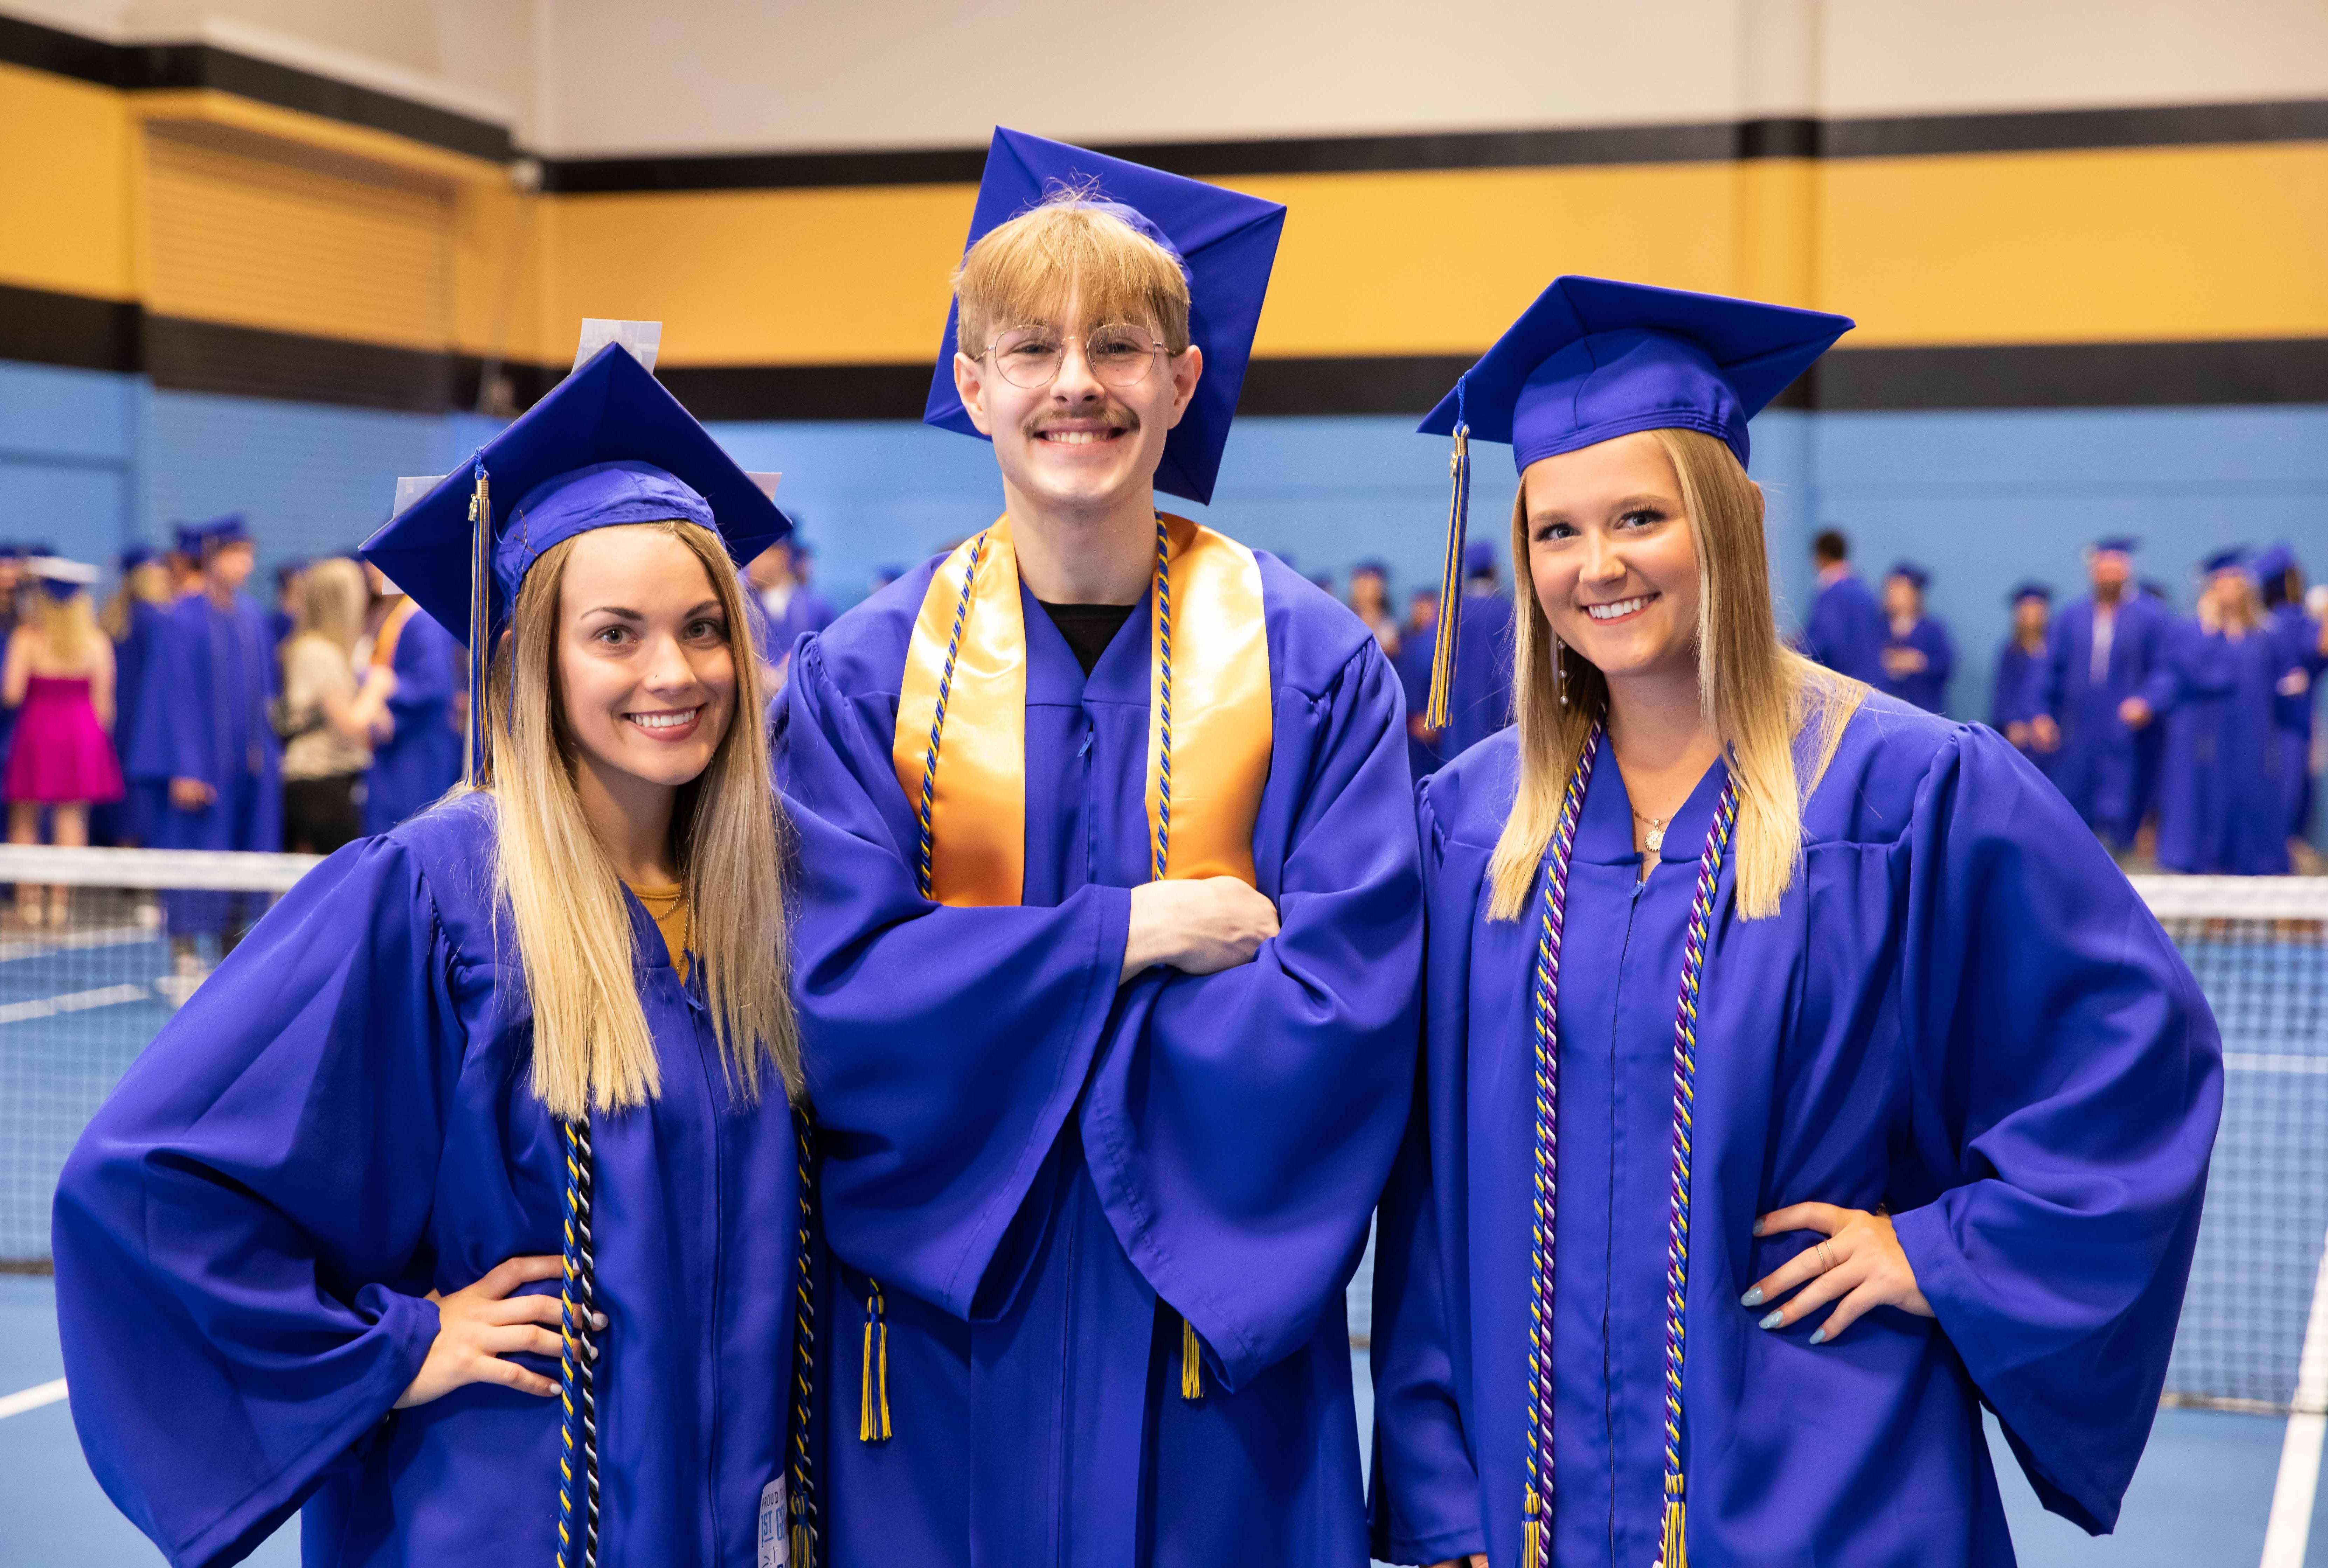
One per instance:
(1415,646)
(1479,702)
(415,749)
(185,560)
(202,734)
(789,605)
(1846,630)
(884,574)
(2102,651)
(1918,653)
(2280,577)
(330,712)
(284,619)
(1370,602)
(58,678)
(2016,664)
(132,619)
(2223,791)
(11,579)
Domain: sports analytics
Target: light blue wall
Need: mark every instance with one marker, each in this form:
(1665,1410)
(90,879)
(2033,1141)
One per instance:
(1981,498)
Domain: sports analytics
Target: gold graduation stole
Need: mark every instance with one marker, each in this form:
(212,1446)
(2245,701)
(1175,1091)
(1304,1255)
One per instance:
(961,735)
(963,698)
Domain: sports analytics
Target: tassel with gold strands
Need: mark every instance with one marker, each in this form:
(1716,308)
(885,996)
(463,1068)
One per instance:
(1450,574)
(873,1384)
(481,598)
(1676,1554)
(1192,1364)
(1532,1552)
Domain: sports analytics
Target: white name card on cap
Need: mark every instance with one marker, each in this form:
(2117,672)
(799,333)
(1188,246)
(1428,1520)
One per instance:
(642,339)
(411,488)
(765,483)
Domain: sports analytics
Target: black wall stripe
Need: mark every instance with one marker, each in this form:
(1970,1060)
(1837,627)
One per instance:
(134,67)
(55,329)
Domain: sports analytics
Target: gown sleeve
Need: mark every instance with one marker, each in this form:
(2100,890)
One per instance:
(2067,1080)
(1240,1125)
(423,672)
(1424,1505)
(169,743)
(946,1047)
(235,1234)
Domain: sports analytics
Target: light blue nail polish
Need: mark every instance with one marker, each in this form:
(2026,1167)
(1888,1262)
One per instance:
(1773,1320)
(1818,1336)
(1753,1298)
(1758,1227)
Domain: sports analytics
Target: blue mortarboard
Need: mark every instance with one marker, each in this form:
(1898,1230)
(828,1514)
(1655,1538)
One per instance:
(2031,589)
(1592,359)
(1370,567)
(2273,560)
(201,538)
(1480,561)
(135,555)
(607,446)
(1225,243)
(1912,573)
(2224,560)
(2116,545)
(11,551)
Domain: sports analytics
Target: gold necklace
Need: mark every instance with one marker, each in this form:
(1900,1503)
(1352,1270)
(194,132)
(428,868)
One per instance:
(1656,836)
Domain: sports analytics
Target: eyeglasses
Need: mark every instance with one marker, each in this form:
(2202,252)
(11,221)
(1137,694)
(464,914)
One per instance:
(1118,354)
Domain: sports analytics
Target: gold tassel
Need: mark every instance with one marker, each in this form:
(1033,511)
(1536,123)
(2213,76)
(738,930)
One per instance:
(1437,709)
(799,1556)
(1677,1554)
(481,590)
(1531,1553)
(873,1375)
(1192,1364)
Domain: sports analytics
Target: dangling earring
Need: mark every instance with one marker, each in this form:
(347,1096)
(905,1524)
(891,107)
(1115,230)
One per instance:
(1558,672)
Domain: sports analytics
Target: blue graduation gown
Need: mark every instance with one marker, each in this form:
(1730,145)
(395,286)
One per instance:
(2102,767)
(1961,1011)
(133,662)
(1846,630)
(805,611)
(1414,666)
(1927,687)
(2302,634)
(338,1123)
(1480,702)
(422,759)
(1035,1162)
(202,714)
(2008,702)
(2231,765)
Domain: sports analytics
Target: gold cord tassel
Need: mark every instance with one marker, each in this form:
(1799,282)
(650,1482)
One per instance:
(873,1379)
(1450,582)
(1192,1364)
(1677,1554)
(1532,1552)
(799,1551)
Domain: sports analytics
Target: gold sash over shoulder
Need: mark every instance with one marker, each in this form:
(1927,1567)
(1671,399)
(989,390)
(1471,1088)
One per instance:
(1221,709)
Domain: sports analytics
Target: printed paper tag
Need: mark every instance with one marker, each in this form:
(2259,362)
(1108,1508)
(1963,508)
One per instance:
(775,1546)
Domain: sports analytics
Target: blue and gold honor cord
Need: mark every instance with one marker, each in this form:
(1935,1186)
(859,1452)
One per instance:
(1192,1377)
(801,1495)
(1536,1551)
(577,1371)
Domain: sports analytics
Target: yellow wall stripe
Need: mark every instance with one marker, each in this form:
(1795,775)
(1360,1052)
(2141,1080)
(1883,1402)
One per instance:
(64,186)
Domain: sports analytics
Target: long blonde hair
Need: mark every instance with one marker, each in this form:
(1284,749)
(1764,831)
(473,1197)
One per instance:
(332,598)
(149,580)
(1761,696)
(591,1047)
(68,626)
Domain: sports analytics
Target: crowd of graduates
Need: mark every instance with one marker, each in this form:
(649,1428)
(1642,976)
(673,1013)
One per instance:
(2185,740)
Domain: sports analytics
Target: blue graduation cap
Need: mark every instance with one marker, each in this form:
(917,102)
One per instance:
(607,446)
(135,555)
(2116,545)
(2275,560)
(1912,573)
(1225,243)
(1593,358)
(2224,560)
(1372,567)
(1480,561)
(197,540)
(2031,589)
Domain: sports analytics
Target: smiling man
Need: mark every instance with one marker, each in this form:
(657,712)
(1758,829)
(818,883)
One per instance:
(1107,942)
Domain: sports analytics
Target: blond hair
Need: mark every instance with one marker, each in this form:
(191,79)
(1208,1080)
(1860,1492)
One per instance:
(1070,244)
(68,626)
(332,599)
(1761,698)
(591,1046)
(149,581)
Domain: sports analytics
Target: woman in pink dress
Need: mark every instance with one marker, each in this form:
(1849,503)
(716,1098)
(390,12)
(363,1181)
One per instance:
(59,670)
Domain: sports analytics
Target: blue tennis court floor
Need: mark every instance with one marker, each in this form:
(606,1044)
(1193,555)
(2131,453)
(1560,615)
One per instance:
(2199,1502)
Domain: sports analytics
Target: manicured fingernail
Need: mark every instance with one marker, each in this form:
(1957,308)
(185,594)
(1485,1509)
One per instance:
(1753,1298)
(1758,1226)
(1818,1336)
(1773,1320)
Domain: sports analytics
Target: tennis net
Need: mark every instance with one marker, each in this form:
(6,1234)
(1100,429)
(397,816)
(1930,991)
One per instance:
(125,935)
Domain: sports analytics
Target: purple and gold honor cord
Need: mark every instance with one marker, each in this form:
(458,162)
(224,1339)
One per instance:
(1536,1520)
(1192,1382)
(577,1359)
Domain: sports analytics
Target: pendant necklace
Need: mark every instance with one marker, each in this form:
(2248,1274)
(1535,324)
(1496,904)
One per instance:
(1656,836)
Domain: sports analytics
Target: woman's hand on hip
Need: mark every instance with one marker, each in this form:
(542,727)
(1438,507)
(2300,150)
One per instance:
(1860,1264)
(477,1327)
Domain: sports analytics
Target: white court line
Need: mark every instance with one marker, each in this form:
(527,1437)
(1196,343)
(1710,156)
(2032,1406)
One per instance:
(72,1001)
(2289,1530)
(32,1398)
(2273,1061)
